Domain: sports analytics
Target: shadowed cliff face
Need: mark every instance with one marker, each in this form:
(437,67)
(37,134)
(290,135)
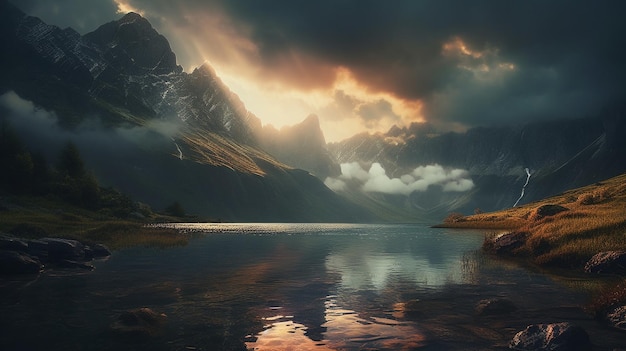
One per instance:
(146,127)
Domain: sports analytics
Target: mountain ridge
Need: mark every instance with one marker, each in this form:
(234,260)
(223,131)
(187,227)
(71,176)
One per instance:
(559,155)
(148,128)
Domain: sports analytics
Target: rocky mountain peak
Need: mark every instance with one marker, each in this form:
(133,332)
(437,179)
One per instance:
(311,130)
(301,145)
(135,46)
(133,17)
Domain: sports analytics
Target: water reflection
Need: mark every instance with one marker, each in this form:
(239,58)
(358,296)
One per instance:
(345,329)
(284,287)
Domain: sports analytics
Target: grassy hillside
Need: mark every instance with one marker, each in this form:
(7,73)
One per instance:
(594,221)
(37,217)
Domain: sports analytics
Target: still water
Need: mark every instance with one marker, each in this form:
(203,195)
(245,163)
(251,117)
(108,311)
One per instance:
(293,287)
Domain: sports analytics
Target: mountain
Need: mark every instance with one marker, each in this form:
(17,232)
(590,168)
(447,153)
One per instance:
(558,154)
(147,127)
(302,145)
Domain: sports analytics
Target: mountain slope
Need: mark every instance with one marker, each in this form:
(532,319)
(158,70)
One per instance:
(145,126)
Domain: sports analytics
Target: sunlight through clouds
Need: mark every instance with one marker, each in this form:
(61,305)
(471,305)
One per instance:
(123,7)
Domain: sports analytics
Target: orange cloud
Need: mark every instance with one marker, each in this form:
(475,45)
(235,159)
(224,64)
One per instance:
(281,87)
(123,7)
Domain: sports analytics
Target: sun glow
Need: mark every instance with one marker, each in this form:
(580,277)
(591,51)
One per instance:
(286,88)
(124,7)
(344,108)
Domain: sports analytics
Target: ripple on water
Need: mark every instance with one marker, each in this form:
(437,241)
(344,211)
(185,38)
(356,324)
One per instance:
(345,329)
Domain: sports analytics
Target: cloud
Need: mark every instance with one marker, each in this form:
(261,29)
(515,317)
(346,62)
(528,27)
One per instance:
(373,112)
(40,131)
(462,63)
(83,16)
(376,180)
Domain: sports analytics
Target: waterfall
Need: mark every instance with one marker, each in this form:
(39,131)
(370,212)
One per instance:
(524,187)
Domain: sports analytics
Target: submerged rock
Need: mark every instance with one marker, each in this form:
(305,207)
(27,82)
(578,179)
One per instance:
(554,337)
(13,262)
(495,306)
(139,322)
(607,262)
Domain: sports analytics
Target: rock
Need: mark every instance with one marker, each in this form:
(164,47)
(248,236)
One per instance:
(608,262)
(139,322)
(74,264)
(100,251)
(554,337)
(616,318)
(64,249)
(13,262)
(14,244)
(96,251)
(39,249)
(506,242)
(20,256)
(495,306)
(547,211)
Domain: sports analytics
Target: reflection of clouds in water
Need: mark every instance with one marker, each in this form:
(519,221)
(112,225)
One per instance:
(375,270)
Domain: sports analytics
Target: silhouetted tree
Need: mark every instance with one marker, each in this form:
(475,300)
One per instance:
(16,162)
(41,175)
(70,162)
(75,184)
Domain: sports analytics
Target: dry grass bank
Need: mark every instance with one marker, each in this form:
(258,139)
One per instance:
(594,221)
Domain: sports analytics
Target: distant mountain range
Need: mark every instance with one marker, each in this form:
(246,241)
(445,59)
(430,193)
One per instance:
(508,165)
(163,135)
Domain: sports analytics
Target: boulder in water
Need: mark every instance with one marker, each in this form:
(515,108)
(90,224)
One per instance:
(139,322)
(562,336)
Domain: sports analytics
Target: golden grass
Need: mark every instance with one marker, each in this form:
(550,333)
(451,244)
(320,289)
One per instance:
(595,221)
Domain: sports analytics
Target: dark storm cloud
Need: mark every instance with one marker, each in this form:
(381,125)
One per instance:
(83,16)
(568,56)
(469,63)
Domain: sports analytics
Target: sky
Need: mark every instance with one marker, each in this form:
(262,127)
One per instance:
(363,65)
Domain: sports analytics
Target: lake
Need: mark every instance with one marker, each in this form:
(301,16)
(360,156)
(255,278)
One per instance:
(295,287)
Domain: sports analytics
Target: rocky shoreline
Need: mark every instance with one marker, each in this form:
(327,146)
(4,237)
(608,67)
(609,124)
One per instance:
(32,256)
